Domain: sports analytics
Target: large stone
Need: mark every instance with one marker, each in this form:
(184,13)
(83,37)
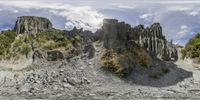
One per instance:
(90,50)
(32,24)
(54,55)
(119,35)
(37,56)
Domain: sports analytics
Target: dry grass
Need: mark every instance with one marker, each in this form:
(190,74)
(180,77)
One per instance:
(123,62)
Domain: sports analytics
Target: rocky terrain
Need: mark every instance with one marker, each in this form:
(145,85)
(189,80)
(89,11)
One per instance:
(76,71)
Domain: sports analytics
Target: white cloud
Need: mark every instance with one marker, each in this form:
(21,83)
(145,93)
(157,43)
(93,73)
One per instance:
(14,10)
(178,8)
(184,31)
(177,2)
(194,13)
(184,27)
(80,16)
(126,7)
(147,17)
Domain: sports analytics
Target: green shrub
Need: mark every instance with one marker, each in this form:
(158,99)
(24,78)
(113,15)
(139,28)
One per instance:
(159,73)
(16,45)
(184,53)
(156,75)
(6,38)
(52,39)
(78,38)
(12,45)
(192,48)
(165,70)
(25,49)
(28,38)
(50,45)
(179,46)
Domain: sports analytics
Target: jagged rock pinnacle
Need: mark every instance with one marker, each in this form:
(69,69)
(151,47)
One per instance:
(118,34)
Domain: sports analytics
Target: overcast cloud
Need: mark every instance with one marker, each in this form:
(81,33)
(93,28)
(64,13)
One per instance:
(179,18)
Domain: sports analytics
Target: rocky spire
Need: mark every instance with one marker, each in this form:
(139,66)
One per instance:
(118,34)
(115,33)
(32,24)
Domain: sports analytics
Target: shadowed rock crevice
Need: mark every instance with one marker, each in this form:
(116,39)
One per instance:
(155,77)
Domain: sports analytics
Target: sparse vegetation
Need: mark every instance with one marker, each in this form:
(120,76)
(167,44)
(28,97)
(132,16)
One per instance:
(13,45)
(165,70)
(25,49)
(20,46)
(184,53)
(123,62)
(6,38)
(160,73)
(156,75)
(53,39)
(192,48)
(111,60)
(179,46)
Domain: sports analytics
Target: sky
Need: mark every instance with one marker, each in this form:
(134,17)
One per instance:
(180,19)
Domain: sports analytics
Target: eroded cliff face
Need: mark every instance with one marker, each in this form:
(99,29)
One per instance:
(32,24)
(119,35)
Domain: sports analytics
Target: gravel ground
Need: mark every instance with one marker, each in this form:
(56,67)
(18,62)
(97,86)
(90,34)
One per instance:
(83,78)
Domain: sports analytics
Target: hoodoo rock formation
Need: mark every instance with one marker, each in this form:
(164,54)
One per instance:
(119,34)
(38,61)
(32,24)
(114,35)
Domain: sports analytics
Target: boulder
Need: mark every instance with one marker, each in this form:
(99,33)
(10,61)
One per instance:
(90,50)
(54,55)
(37,57)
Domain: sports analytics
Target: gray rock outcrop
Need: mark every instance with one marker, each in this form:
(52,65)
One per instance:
(32,24)
(87,39)
(87,35)
(119,34)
